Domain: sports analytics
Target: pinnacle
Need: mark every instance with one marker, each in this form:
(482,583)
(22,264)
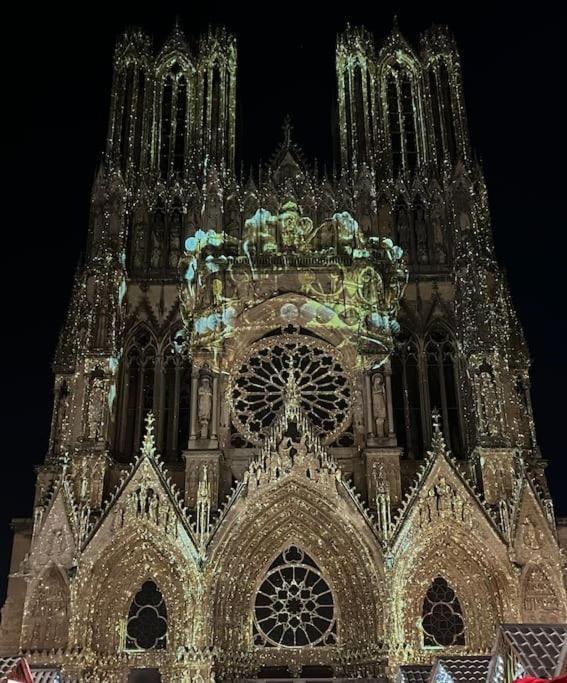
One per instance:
(438,445)
(149,444)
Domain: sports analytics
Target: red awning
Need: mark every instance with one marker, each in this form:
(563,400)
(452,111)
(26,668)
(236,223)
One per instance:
(20,673)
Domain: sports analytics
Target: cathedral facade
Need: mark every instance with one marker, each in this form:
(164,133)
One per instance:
(292,433)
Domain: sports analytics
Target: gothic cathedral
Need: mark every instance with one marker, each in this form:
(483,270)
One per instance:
(292,434)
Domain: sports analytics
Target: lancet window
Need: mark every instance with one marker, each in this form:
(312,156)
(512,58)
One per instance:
(425,376)
(402,118)
(159,381)
(128,116)
(174,123)
(156,244)
(442,110)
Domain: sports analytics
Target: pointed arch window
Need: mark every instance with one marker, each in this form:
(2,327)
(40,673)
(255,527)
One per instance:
(402,117)
(294,606)
(174,412)
(138,389)
(146,627)
(406,396)
(442,373)
(442,617)
(174,121)
(442,110)
(128,118)
(166,237)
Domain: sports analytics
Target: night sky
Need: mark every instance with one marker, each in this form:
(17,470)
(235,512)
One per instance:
(513,79)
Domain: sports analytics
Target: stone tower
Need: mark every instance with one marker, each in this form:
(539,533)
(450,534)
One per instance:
(292,433)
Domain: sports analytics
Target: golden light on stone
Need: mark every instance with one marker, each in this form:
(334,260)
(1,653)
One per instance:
(243,474)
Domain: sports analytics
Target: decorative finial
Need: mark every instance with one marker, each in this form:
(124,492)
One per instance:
(287,129)
(438,445)
(149,443)
(436,417)
(395,25)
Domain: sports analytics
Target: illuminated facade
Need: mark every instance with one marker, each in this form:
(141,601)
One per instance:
(292,432)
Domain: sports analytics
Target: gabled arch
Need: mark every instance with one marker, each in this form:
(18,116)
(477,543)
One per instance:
(540,597)
(314,517)
(46,616)
(454,549)
(113,574)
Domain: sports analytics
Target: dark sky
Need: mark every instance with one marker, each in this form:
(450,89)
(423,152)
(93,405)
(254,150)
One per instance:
(513,76)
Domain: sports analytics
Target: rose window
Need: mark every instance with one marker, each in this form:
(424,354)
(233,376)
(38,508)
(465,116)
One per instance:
(258,386)
(294,605)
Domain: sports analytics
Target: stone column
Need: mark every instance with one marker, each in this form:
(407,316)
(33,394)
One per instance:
(193,408)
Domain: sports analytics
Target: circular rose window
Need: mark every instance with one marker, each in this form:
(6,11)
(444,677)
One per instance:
(258,386)
(294,605)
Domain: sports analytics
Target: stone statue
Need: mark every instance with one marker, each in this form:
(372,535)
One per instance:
(489,404)
(95,403)
(139,244)
(174,239)
(421,236)
(364,212)
(464,222)
(157,241)
(384,220)
(212,216)
(205,405)
(232,222)
(379,408)
(403,230)
(438,236)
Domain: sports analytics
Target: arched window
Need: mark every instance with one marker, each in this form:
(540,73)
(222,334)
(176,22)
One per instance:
(348,112)
(137,390)
(174,413)
(129,114)
(139,108)
(294,606)
(447,107)
(442,110)
(406,396)
(362,134)
(217,119)
(174,121)
(442,618)
(126,112)
(441,357)
(402,116)
(436,112)
(394,123)
(181,125)
(165,125)
(146,628)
